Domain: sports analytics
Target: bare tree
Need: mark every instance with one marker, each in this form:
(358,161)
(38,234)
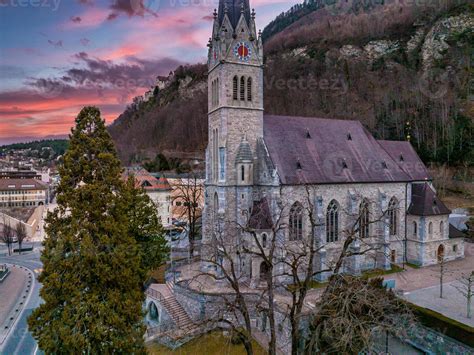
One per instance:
(21,234)
(353,311)
(225,264)
(293,261)
(188,192)
(442,273)
(7,235)
(465,288)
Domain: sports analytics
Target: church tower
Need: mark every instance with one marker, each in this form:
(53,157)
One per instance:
(235,84)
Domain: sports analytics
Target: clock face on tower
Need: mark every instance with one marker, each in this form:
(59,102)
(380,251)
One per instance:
(242,51)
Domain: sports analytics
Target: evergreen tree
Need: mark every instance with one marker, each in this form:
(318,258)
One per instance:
(93,270)
(146,229)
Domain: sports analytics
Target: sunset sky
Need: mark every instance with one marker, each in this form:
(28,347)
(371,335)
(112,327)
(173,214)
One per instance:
(57,56)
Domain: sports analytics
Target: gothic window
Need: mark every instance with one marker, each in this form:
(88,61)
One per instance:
(212,93)
(217,92)
(430,229)
(242,173)
(415,229)
(242,89)
(216,206)
(393,216)
(332,222)
(215,155)
(364,223)
(296,222)
(441,228)
(249,89)
(264,240)
(222,164)
(235,88)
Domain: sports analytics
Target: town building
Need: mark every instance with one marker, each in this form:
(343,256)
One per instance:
(158,189)
(185,190)
(22,193)
(20,174)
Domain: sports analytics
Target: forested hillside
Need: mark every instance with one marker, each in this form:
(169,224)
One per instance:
(401,70)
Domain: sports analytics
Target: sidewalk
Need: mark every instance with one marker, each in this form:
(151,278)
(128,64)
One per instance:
(452,305)
(415,279)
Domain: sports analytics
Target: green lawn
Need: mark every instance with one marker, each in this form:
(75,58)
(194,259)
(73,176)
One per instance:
(380,272)
(210,344)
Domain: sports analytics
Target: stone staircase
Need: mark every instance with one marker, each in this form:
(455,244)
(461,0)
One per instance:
(180,317)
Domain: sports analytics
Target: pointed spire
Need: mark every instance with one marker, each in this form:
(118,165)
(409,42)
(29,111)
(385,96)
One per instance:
(234,9)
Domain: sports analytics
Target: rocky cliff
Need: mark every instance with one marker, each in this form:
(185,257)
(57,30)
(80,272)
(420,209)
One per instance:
(404,71)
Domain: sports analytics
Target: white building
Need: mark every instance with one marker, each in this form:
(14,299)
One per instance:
(159,191)
(22,193)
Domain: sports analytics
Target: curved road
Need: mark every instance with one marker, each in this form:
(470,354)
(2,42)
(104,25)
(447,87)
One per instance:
(19,340)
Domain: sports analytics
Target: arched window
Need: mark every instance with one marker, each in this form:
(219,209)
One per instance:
(212,93)
(235,88)
(430,229)
(153,312)
(296,222)
(393,216)
(415,229)
(441,228)
(242,89)
(217,92)
(216,208)
(364,219)
(332,222)
(249,89)
(264,240)
(242,173)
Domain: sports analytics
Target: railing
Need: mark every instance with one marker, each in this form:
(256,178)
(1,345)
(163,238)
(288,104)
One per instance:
(160,298)
(155,294)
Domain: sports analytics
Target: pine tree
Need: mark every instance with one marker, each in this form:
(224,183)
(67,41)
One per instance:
(94,266)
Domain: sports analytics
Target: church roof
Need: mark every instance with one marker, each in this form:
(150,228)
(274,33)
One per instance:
(405,156)
(424,202)
(260,217)
(244,153)
(307,150)
(234,9)
(455,233)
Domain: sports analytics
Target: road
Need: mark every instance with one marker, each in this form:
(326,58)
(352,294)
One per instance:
(19,340)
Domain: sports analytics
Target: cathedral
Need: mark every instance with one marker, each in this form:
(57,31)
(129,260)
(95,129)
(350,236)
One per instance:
(285,178)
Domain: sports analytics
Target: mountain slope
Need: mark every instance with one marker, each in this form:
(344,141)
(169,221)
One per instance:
(400,70)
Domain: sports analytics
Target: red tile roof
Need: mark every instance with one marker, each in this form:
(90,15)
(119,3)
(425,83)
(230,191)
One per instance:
(307,150)
(144,179)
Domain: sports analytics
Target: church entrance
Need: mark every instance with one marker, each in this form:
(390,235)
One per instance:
(440,253)
(264,270)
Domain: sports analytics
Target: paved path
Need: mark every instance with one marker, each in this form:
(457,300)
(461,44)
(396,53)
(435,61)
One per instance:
(452,305)
(415,279)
